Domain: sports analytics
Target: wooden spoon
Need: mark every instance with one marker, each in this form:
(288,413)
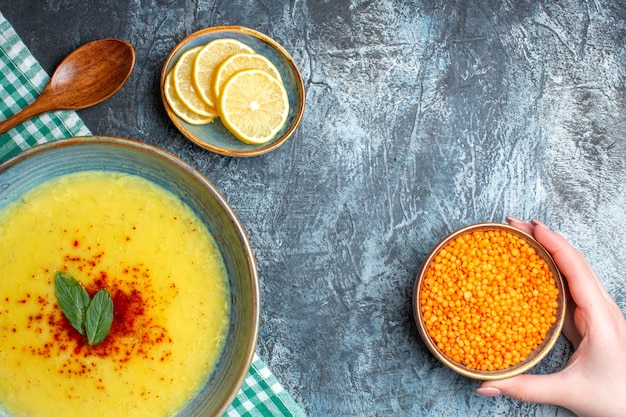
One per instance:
(87,76)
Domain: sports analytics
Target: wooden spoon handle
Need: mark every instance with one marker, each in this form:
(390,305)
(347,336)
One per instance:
(40,105)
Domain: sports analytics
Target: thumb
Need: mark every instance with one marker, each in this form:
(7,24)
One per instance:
(530,388)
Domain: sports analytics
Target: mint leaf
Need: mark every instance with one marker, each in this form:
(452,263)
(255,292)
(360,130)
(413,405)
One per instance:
(91,317)
(99,317)
(73,300)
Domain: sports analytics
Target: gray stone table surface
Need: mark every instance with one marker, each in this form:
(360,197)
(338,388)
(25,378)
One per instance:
(421,117)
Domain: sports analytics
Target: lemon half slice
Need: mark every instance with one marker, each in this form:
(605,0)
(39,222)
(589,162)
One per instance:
(183,85)
(240,62)
(180,108)
(254,106)
(207,60)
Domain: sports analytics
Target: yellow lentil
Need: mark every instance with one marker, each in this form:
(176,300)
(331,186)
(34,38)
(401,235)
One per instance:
(488,300)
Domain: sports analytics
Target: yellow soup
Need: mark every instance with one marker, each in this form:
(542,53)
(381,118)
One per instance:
(166,277)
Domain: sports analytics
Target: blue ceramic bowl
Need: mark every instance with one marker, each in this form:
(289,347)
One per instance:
(43,162)
(214,136)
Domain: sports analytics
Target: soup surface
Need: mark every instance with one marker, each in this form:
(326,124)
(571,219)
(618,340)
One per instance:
(160,265)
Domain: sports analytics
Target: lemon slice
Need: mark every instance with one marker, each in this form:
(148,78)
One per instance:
(240,62)
(180,108)
(207,60)
(183,85)
(253,106)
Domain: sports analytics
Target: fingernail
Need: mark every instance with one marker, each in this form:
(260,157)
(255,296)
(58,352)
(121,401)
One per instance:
(510,219)
(488,392)
(536,222)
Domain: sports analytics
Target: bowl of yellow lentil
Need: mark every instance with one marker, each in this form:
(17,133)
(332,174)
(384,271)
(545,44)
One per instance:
(489,301)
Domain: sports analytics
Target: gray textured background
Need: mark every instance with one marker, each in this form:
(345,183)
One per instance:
(421,117)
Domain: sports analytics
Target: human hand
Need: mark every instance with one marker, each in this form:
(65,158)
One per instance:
(593,383)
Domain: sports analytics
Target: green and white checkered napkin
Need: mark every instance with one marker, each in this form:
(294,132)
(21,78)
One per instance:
(21,81)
